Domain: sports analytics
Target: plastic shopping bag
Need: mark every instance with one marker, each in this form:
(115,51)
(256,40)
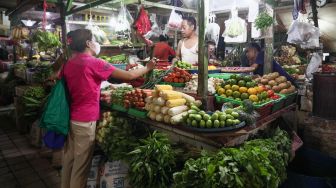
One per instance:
(313,65)
(56,115)
(175,20)
(143,24)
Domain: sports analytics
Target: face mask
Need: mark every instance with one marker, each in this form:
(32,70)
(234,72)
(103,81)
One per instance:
(95,47)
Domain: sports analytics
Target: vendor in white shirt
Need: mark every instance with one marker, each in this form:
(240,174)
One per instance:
(187,49)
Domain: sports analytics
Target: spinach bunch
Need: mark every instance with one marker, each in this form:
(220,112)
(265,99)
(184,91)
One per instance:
(152,162)
(46,40)
(119,139)
(263,21)
(258,163)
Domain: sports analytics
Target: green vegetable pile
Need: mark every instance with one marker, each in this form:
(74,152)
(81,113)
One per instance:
(152,163)
(258,163)
(117,59)
(263,21)
(46,41)
(118,95)
(183,65)
(33,99)
(115,136)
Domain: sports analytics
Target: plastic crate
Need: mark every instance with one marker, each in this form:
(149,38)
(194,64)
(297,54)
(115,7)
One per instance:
(265,111)
(119,108)
(173,84)
(262,104)
(278,104)
(137,113)
(209,71)
(224,76)
(220,99)
(289,98)
(120,66)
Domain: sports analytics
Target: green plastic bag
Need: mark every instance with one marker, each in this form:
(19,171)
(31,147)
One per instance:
(56,115)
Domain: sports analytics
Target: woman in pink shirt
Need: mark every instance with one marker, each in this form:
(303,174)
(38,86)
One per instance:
(83,74)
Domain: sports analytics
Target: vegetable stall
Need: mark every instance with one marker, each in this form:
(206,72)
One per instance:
(209,124)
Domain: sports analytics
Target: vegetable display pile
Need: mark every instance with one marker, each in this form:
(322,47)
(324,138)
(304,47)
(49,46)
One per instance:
(192,85)
(166,105)
(105,96)
(152,163)
(118,95)
(33,99)
(277,83)
(117,59)
(197,118)
(156,77)
(183,65)
(115,136)
(177,76)
(258,163)
(263,21)
(46,40)
(242,87)
(136,98)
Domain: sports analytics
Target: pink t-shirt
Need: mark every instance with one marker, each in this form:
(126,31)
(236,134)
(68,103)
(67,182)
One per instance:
(84,74)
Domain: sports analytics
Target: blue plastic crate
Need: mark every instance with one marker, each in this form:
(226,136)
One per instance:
(120,66)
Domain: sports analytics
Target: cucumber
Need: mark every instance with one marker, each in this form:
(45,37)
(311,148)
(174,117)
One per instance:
(193,107)
(202,124)
(209,124)
(197,117)
(216,123)
(192,112)
(194,123)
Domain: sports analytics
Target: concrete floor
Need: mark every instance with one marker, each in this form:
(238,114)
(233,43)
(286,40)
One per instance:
(22,165)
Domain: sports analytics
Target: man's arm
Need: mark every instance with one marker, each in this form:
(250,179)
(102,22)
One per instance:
(178,52)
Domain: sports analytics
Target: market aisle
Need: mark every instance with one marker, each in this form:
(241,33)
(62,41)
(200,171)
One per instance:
(21,165)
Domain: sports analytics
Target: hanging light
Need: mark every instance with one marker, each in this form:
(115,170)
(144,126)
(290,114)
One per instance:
(28,23)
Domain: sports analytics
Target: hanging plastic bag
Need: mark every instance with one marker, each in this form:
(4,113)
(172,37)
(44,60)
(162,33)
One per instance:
(234,26)
(175,20)
(155,30)
(212,30)
(99,34)
(124,20)
(142,24)
(313,65)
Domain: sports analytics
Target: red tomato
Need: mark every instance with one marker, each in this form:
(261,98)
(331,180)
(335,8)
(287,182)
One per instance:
(270,93)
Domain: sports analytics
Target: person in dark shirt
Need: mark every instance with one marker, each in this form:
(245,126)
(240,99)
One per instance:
(255,58)
(162,50)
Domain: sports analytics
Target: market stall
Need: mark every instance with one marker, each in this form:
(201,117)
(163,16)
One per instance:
(182,117)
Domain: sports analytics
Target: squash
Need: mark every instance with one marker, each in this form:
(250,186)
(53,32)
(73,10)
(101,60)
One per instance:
(164,110)
(157,109)
(163,87)
(149,99)
(152,115)
(189,98)
(160,101)
(167,95)
(175,102)
(159,117)
(166,118)
(178,118)
(177,110)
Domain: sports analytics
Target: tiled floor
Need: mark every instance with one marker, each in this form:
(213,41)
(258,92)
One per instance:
(22,165)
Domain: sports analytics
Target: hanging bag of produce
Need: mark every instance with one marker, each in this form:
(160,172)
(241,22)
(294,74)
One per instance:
(175,20)
(142,24)
(56,115)
(235,29)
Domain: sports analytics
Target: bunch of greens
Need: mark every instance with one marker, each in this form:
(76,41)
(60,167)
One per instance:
(33,99)
(46,40)
(263,21)
(42,74)
(258,163)
(152,163)
(119,139)
(118,95)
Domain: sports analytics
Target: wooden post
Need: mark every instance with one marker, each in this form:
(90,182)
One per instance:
(268,56)
(202,90)
(314,11)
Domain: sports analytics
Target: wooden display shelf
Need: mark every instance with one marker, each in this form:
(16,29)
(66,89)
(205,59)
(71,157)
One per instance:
(214,141)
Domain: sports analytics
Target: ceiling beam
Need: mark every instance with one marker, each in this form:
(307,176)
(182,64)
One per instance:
(87,6)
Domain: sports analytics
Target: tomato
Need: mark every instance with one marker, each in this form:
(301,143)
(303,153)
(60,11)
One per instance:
(270,93)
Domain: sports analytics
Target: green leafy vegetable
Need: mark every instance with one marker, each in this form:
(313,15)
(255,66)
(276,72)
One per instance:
(263,21)
(46,41)
(152,163)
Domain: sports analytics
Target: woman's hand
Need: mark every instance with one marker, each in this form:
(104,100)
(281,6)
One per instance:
(151,64)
